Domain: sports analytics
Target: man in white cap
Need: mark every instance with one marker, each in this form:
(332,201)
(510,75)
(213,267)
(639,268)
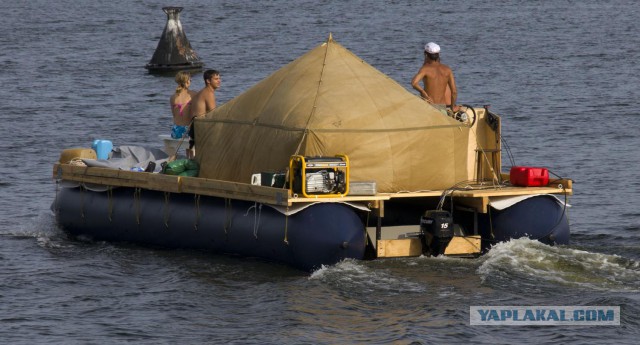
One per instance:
(439,84)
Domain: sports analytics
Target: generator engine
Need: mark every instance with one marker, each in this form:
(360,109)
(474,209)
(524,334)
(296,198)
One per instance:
(325,182)
(319,176)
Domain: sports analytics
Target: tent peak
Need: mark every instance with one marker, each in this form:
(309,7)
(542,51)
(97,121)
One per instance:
(330,37)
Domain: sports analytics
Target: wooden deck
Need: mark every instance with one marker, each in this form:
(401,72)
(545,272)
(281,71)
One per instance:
(388,241)
(474,195)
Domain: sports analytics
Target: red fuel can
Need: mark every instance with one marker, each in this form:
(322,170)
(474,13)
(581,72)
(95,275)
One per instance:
(529,176)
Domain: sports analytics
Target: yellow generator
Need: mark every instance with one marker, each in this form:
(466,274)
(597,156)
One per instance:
(319,177)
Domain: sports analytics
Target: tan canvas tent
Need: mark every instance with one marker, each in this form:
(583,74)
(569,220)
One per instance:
(328,102)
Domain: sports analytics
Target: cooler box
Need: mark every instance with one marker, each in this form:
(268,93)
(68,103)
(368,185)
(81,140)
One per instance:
(529,176)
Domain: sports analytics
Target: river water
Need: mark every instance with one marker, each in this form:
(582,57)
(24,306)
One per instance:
(562,74)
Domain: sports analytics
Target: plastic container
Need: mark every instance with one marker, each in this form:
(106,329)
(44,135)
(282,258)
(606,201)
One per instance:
(529,176)
(102,148)
(256,179)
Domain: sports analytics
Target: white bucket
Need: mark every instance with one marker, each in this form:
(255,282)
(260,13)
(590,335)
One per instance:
(171,145)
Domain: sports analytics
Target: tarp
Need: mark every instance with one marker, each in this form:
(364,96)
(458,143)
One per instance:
(328,102)
(128,156)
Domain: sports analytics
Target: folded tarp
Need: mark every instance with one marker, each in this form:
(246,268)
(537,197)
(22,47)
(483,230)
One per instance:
(130,157)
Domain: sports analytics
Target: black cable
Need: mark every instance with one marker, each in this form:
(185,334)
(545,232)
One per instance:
(456,186)
(508,150)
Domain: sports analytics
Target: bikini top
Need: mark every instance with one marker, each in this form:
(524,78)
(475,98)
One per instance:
(181,106)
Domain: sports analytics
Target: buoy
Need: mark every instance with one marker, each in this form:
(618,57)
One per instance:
(174,52)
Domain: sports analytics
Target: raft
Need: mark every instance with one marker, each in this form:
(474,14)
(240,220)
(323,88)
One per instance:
(167,211)
(308,168)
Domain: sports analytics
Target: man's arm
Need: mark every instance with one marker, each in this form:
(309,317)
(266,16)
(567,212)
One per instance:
(211,102)
(454,91)
(415,83)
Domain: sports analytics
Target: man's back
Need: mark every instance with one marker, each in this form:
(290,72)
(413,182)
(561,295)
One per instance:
(439,84)
(435,77)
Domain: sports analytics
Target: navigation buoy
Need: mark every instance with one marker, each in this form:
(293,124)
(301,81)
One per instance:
(174,51)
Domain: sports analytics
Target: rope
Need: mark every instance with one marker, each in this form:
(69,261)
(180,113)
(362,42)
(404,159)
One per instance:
(227,211)
(56,207)
(82,190)
(366,224)
(286,228)
(315,99)
(77,162)
(136,202)
(256,222)
(257,212)
(493,236)
(196,198)
(166,209)
(304,135)
(110,202)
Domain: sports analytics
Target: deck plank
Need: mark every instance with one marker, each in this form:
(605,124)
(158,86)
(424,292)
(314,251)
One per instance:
(475,195)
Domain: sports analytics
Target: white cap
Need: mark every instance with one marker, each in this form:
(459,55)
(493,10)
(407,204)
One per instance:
(432,48)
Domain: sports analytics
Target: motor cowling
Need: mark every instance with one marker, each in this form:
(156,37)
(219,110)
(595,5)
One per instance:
(436,231)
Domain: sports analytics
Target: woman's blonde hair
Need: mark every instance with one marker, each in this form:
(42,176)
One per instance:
(182,78)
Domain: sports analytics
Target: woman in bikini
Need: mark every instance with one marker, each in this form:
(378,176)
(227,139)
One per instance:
(180,103)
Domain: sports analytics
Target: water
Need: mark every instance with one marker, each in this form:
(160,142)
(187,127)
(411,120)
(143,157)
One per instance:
(563,75)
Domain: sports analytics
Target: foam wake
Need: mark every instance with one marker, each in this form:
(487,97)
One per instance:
(536,263)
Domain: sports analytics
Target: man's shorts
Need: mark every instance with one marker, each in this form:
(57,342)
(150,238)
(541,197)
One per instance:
(441,107)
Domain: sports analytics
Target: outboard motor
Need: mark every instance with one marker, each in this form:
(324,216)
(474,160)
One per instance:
(436,231)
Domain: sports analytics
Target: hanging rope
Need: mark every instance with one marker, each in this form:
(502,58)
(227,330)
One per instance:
(166,209)
(257,212)
(227,211)
(286,228)
(315,99)
(304,135)
(56,207)
(366,224)
(136,203)
(196,198)
(110,202)
(493,236)
(82,201)
(256,220)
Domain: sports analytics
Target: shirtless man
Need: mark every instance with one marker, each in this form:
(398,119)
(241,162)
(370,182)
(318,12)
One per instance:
(203,102)
(437,79)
